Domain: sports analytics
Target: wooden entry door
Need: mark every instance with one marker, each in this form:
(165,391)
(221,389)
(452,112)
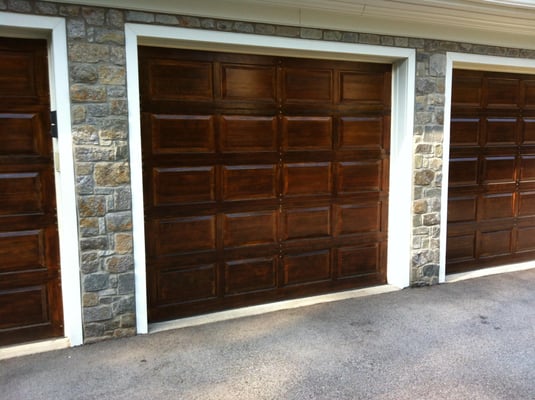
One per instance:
(491,205)
(30,296)
(265,178)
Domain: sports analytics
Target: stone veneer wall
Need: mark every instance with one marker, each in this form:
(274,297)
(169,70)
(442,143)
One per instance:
(100,135)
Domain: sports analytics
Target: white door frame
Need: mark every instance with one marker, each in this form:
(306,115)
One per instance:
(403,83)
(53,29)
(478,63)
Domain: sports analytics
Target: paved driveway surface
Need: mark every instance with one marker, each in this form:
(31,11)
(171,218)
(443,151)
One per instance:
(473,339)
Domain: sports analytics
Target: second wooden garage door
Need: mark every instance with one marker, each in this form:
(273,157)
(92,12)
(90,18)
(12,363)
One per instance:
(265,178)
(491,206)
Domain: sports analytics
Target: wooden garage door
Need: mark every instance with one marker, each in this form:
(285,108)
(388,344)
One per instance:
(30,300)
(491,206)
(265,178)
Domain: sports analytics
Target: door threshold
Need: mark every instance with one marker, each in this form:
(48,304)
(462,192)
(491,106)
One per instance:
(267,308)
(25,349)
(490,271)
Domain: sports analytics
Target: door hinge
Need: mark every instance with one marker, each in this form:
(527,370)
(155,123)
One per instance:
(53,124)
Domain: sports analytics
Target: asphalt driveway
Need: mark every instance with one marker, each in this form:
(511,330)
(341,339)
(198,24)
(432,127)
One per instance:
(473,339)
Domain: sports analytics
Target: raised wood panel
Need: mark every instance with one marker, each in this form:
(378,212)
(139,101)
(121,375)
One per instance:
(495,243)
(529,93)
(307,179)
(362,132)
(25,306)
(500,169)
(464,131)
(503,92)
(308,85)
(356,177)
(185,234)
(22,251)
(357,261)
(183,185)
(21,193)
(248,82)
(307,133)
(462,209)
(463,171)
(17,74)
(528,131)
(307,267)
(182,133)
(246,182)
(461,248)
(187,285)
(496,206)
(250,275)
(501,131)
(525,239)
(358,219)
(17,134)
(241,133)
(180,80)
(362,87)
(252,228)
(307,223)
(467,90)
(526,205)
(527,168)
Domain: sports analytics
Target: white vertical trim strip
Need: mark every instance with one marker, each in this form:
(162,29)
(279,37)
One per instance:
(136,176)
(66,197)
(404,60)
(474,62)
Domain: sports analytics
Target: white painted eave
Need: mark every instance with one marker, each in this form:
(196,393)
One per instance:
(491,22)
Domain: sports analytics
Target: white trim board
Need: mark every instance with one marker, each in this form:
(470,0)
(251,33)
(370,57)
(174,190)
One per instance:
(474,62)
(53,28)
(403,84)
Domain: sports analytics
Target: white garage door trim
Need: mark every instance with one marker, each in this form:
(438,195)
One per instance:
(403,60)
(53,28)
(478,63)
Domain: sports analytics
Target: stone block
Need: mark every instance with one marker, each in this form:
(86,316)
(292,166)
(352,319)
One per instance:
(139,16)
(84,73)
(86,93)
(89,227)
(46,8)
(90,299)
(126,283)
(88,52)
(104,35)
(128,320)
(96,281)
(224,26)
(89,262)
(288,31)
(243,27)
(115,18)
(264,29)
(94,243)
(97,313)
(424,177)
(92,206)
(166,19)
(190,22)
(350,37)
(369,38)
(119,221)
(419,206)
(85,134)
(84,184)
(117,55)
(124,305)
(19,5)
(76,28)
(332,35)
(94,16)
(309,33)
(112,174)
(123,243)
(431,219)
(119,264)
(112,75)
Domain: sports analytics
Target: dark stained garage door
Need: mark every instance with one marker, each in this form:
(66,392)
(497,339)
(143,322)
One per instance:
(265,178)
(491,206)
(30,296)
